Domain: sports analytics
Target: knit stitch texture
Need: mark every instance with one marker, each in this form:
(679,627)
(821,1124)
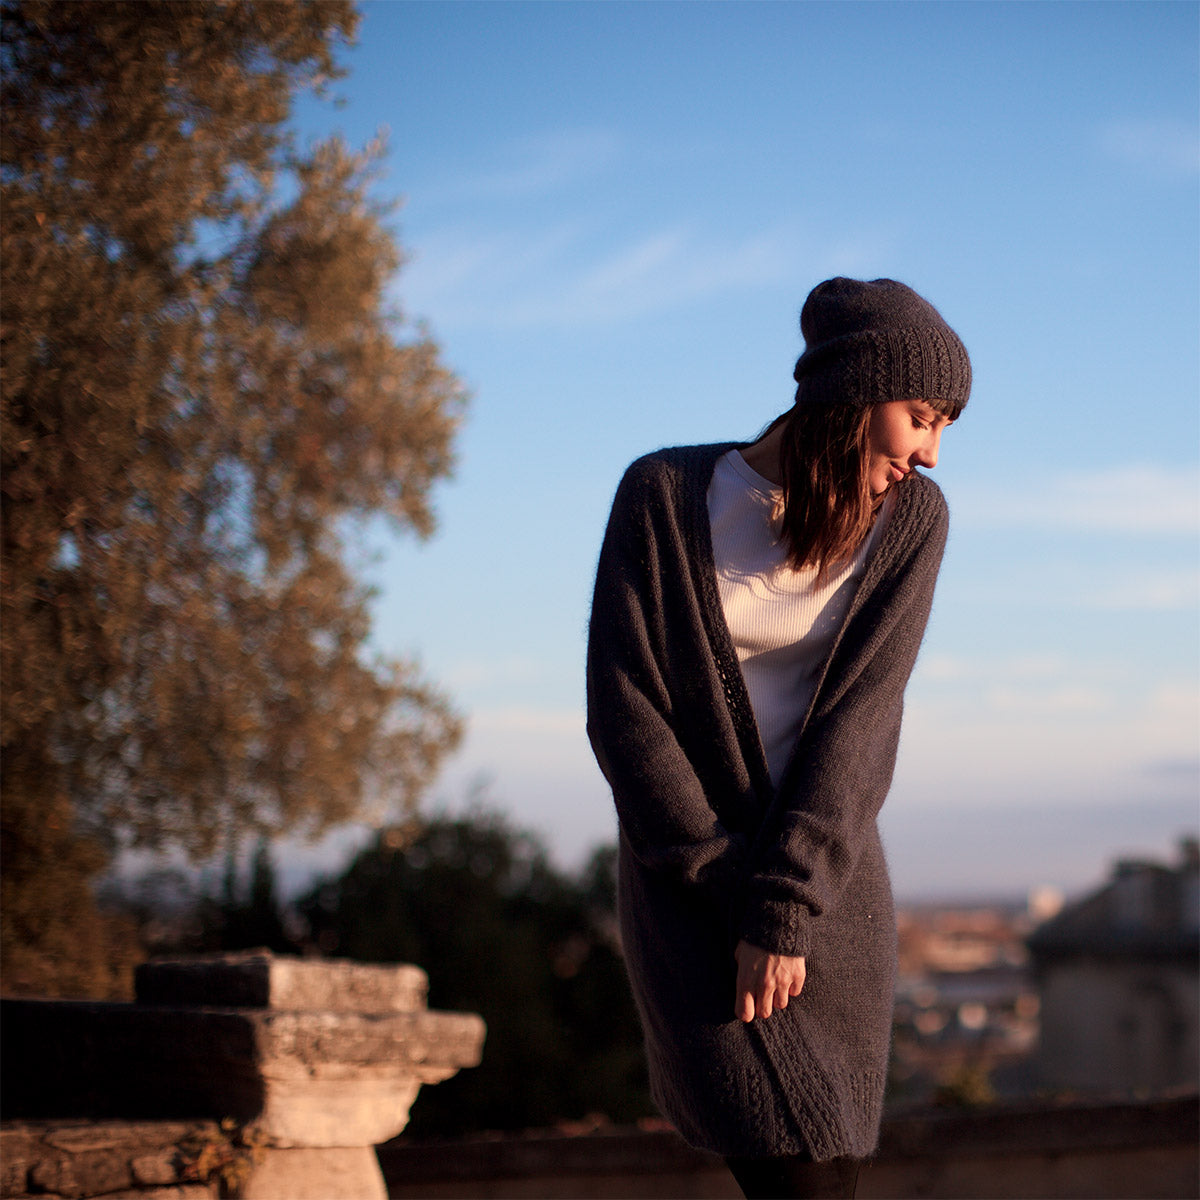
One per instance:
(871,342)
(711,852)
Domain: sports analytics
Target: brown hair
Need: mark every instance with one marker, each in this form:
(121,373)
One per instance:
(828,507)
(827,504)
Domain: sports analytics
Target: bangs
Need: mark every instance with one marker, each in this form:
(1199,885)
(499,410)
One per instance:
(950,409)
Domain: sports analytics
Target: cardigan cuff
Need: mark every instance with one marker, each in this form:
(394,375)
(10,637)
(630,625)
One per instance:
(777,927)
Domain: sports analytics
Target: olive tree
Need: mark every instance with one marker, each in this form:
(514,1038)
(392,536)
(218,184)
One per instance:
(205,387)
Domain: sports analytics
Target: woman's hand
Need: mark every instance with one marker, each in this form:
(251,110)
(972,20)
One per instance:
(765,981)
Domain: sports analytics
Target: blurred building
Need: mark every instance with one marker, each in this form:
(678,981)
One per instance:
(1118,976)
(966,1005)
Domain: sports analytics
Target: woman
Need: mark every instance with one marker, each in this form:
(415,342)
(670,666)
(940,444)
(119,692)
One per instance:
(757,613)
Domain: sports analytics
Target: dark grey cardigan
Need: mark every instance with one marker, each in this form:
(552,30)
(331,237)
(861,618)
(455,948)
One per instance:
(711,853)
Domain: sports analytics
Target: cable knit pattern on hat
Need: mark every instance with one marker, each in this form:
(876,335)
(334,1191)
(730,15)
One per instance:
(871,342)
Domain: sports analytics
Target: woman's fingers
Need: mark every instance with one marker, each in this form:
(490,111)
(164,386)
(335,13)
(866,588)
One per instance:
(796,981)
(745,1007)
(747,997)
(765,981)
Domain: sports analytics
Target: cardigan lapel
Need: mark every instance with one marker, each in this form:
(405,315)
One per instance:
(693,507)
(693,503)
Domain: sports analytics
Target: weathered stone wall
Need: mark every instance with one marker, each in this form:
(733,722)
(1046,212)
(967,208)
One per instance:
(312,1062)
(151,1160)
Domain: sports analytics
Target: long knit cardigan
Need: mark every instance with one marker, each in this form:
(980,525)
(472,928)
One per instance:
(711,852)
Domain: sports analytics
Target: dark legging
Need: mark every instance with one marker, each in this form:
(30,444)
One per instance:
(795,1177)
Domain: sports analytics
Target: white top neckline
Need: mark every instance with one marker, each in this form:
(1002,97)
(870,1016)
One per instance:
(782,623)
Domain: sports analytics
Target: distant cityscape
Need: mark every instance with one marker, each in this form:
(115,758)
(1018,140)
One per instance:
(1093,994)
(1097,996)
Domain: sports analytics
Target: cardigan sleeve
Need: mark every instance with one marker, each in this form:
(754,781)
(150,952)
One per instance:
(664,812)
(810,840)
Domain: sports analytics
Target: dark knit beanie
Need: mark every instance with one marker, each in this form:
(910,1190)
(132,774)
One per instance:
(866,343)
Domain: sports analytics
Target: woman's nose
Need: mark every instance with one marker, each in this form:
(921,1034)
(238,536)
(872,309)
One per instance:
(927,452)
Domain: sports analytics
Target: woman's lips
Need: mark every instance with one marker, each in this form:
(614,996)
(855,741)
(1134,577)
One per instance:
(898,473)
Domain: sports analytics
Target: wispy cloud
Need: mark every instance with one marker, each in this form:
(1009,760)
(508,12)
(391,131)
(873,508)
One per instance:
(1063,701)
(528,167)
(1126,499)
(502,671)
(1159,145)
(548,231)
(1173,768)
(1153,590)
(987,733)
(461,271)
(945,668)
(1099,583)
(1032,685)
(574,272)
(526,720)
(676,265)
(1170,700)
(1046,695)
(540,770)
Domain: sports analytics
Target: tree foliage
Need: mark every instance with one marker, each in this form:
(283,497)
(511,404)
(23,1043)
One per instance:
(204,381)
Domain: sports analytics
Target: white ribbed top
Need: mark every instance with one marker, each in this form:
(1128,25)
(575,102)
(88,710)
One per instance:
(781,622)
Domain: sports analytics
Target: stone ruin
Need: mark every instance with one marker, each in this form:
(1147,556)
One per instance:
(281,1074)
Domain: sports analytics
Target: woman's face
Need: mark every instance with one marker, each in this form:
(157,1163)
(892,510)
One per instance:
(902,434)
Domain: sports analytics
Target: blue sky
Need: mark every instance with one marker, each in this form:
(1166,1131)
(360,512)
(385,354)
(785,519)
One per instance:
(613,213)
